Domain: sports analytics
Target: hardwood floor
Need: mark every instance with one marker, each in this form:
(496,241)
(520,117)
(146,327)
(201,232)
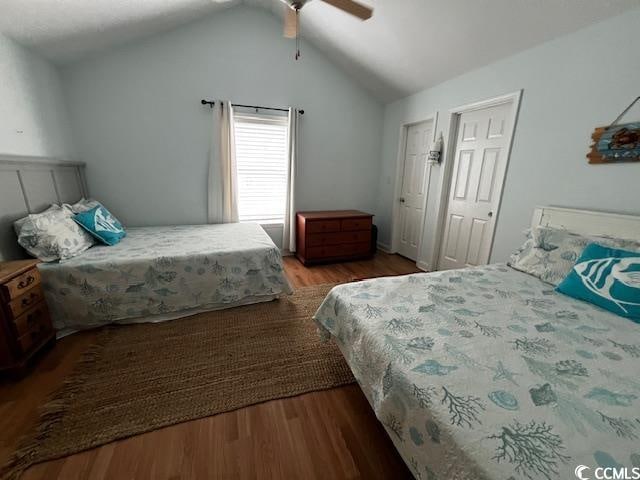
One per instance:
(328,434)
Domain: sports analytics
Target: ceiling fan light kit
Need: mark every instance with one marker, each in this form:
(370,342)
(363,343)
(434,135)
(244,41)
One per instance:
(292,16)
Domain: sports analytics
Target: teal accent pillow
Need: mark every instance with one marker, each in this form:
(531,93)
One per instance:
(101,224)
(607,277)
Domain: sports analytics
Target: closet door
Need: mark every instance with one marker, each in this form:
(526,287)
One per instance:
(414,187)
(480,163)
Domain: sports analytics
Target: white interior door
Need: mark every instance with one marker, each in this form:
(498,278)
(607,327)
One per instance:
(480,163)
(414,186)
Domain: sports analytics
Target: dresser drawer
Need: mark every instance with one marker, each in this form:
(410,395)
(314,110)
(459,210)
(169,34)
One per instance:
(319,226)
(32,319)
(319,239)
(20,284)
(333,236)
(357,248)
(320,252)
(363,236)
(327,251)
(336,251)
(356,224)
(25,301)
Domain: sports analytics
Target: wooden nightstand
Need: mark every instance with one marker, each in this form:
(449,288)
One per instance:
(25,324)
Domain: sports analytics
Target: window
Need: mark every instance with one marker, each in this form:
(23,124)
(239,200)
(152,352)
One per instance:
(262,167)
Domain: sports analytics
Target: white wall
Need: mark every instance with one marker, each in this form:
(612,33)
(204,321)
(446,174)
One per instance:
(139,125)
(33,117)
(571,85)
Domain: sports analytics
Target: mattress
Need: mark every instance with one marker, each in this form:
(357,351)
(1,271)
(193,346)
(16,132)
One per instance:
(488,373)
(157,273)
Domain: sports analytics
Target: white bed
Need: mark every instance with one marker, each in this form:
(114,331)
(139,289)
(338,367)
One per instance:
(488,373)
(162,273)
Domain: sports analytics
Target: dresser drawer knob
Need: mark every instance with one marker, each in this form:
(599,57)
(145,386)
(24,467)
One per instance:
(25,283)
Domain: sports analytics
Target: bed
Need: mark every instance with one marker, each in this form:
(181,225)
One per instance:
(488,373)
(153,274)
(161,273)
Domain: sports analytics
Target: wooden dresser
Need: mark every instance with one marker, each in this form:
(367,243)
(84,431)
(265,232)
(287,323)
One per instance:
(25,325)
(333,236)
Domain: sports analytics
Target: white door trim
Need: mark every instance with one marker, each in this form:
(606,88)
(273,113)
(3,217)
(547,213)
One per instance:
(395,212)
(445,185)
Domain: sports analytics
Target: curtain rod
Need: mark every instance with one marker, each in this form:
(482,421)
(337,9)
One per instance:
(211,103)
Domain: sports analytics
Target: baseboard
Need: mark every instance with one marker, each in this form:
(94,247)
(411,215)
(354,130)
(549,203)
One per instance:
(423,266)
(384,247)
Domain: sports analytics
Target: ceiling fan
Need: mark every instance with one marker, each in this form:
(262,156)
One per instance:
(292,15)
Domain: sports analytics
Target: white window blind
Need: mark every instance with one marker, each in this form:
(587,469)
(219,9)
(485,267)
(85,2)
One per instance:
(262,165)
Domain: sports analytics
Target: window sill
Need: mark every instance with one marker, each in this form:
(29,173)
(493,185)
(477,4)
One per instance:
(271,225)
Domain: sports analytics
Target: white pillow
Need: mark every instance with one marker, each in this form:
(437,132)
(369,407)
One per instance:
(82,205)
(52,235)
(550,253)
(17,225)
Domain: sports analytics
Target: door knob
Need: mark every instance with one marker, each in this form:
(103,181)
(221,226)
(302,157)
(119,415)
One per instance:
(490,214)
(401,199)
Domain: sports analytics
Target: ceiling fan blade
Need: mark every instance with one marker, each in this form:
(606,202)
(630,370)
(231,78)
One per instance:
(290,23)
(354,8)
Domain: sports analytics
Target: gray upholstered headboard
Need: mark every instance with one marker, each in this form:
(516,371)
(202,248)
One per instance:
(30,185)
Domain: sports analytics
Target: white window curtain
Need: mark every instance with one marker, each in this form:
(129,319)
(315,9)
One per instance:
(222,204)
(289,233)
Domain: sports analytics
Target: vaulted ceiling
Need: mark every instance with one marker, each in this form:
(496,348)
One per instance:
(407,46)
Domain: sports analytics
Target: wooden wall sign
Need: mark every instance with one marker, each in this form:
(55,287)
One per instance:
(616,144)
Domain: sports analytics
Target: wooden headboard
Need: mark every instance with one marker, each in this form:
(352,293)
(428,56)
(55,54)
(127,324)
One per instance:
(587,222)
(31,185)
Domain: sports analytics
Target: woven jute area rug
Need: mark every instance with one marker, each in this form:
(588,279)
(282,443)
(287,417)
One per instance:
(139,378)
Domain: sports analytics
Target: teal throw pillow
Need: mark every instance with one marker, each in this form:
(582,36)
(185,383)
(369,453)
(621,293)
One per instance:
(607,277)
(101,224)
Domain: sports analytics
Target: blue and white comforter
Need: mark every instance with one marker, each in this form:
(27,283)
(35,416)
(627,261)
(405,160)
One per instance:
(487,373)
(161,272)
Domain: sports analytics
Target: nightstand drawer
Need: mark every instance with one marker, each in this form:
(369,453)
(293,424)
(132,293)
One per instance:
(34,337)
(32,319)
(25,321)
(25,301)
(20,284)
